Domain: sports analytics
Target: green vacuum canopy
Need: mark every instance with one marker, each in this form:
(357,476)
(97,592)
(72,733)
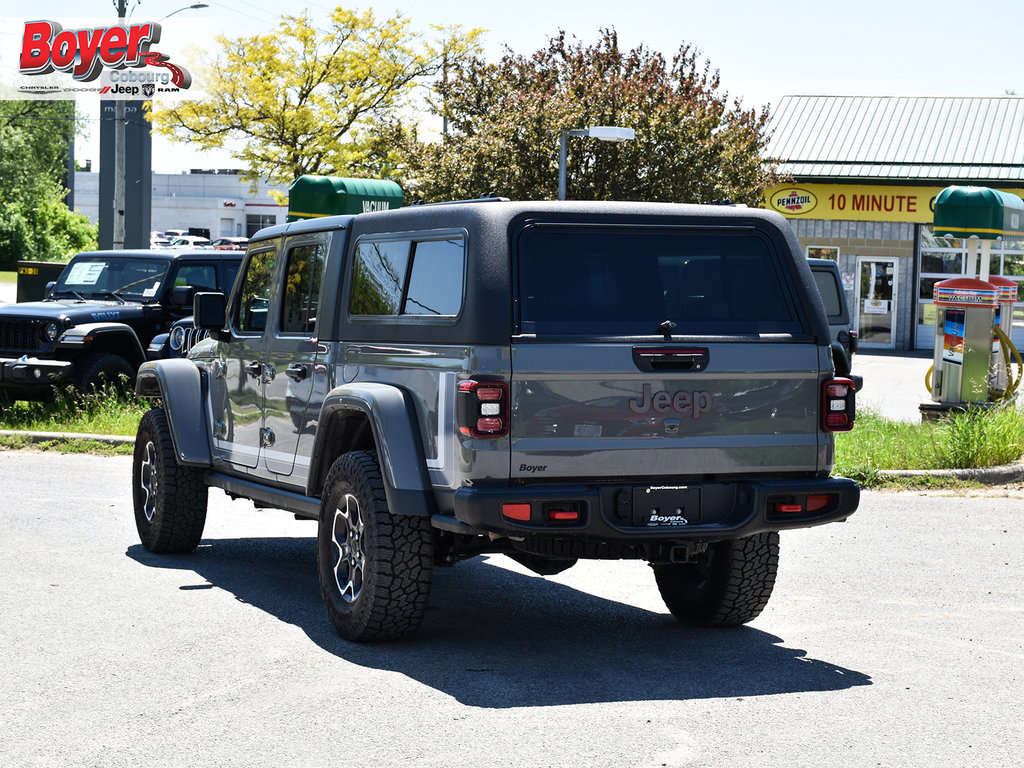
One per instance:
(979,212)
(310,197)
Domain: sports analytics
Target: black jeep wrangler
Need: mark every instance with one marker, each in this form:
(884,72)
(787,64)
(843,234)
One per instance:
(550,381)
(101,315)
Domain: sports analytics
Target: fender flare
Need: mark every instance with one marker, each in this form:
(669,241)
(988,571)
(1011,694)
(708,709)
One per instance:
(179,384)
(80,337)
(396,434)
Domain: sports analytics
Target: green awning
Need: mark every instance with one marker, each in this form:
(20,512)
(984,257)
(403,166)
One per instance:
(310,197)
(979,212)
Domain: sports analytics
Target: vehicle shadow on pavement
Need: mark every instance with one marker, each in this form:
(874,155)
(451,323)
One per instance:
(497,638)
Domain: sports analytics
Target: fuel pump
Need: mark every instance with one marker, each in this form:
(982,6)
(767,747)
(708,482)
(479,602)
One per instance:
(965,311)
(1004,354)
(972,358)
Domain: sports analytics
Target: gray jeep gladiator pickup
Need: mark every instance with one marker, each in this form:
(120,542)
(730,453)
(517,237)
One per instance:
(551,381)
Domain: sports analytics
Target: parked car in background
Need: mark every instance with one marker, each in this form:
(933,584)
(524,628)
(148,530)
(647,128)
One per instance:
(190,241)
(833,297)
(230,243)
(101,315)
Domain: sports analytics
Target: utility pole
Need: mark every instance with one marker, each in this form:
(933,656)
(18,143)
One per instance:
(119,169)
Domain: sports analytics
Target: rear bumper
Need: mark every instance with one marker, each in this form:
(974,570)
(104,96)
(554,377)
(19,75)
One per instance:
(29,372)
(662,511)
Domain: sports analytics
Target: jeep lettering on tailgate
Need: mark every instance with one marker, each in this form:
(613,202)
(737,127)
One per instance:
(682,402)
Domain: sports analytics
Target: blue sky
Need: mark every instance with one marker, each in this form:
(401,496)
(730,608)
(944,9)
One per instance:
(763,50)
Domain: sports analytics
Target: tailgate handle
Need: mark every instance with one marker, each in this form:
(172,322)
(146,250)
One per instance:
(670,358)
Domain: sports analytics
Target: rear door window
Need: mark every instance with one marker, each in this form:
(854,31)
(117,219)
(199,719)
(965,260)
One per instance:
(301,290)
(409,277)
(622,281)
(828,287)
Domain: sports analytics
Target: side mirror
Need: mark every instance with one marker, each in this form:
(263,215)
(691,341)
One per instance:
(209,310)
(182,295)
(49,287)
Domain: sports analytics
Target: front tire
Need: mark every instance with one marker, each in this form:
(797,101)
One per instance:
(169,499)
(97,372)
(375,566)
(727,585)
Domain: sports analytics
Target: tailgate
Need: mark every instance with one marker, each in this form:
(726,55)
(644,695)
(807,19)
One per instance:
(590,410)
(664,351)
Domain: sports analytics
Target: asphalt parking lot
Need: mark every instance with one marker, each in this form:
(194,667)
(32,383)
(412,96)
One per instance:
(895,639)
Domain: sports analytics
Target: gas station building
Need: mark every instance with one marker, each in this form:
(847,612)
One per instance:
(866,172)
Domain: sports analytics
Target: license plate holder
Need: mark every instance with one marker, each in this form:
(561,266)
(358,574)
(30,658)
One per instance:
(666,506)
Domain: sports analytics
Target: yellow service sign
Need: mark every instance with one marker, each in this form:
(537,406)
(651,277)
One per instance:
(855,202)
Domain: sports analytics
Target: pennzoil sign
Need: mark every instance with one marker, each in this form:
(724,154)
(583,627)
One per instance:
(793,201)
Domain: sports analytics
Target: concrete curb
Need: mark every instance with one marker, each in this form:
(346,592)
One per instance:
(1008,473)
(67,437)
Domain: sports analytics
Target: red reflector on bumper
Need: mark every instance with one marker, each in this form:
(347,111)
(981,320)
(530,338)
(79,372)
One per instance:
(818,501)
(562,514)
(788,508)
(516,512)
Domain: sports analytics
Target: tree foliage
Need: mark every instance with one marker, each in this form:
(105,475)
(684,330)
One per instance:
(34,221)
(302,98)
(505,119)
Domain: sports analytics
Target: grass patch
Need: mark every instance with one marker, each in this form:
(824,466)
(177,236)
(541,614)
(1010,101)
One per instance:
(977,438)
(8,277)
(93,447)
(105,412)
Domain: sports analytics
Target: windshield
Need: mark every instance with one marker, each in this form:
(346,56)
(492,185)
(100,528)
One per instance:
(101,276)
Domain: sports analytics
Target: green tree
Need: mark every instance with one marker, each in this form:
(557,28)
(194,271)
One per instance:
(505,119)
(304,99)
(34,221)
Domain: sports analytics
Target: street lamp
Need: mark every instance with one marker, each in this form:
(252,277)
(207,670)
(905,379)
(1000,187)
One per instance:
(194,7)
(602,132)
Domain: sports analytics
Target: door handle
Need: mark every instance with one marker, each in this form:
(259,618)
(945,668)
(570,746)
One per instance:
(254,369)
(296,371)
(671,358)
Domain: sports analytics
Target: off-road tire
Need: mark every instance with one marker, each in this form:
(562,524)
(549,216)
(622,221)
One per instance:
(728,585)
(169,499)
(104,370)
(375,567)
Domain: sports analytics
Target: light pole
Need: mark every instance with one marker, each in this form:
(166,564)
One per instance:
(602,132)
(119,137)
(118,233)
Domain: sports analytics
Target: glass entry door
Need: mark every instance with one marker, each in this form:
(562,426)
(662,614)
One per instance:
(876,302)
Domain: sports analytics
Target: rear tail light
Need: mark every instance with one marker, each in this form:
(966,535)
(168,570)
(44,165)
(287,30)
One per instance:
(838,407)
(482,408)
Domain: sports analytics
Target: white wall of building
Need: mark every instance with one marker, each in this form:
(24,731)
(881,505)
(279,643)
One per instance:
(219,202)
